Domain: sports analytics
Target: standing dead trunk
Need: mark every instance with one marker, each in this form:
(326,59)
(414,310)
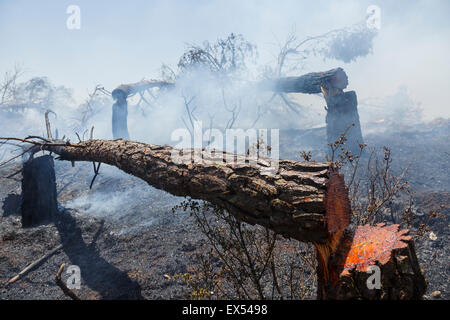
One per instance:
(39,203)
(120,116)
(342,116)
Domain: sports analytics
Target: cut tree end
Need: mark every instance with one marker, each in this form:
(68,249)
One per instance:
(387,247)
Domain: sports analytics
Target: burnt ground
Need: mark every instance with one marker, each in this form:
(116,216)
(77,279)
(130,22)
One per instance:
(128,243)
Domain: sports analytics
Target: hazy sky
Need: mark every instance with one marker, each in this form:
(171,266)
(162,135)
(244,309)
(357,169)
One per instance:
(125,41)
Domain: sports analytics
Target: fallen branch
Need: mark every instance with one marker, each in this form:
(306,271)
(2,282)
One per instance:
(34,264)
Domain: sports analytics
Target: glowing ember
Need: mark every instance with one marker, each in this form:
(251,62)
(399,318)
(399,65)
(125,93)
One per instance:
(372,244)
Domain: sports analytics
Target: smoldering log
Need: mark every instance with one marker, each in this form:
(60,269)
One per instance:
(375,263)
(39,197)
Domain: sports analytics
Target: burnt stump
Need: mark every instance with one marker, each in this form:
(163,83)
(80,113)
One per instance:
(39,198)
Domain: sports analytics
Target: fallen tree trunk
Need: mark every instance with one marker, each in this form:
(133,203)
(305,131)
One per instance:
(290,202)
(309,83)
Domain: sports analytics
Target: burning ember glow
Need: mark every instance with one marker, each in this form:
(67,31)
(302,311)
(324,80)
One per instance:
(372,244)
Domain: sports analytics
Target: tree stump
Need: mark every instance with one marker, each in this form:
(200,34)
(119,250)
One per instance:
(372,263)
(39,198)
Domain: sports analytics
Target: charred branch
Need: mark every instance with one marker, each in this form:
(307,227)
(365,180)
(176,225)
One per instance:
(309,83)
(142,86)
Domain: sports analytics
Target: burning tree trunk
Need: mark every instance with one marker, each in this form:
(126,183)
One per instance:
(39,204)
(306,201)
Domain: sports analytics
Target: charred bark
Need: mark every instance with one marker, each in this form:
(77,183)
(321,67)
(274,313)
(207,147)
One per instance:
(39,204)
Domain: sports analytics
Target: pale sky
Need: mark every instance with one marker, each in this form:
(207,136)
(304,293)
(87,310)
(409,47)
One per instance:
(125,41)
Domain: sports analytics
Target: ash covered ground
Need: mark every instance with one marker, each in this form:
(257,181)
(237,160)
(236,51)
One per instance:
(128,243)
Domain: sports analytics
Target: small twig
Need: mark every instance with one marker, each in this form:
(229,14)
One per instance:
(34,264)
(63,286)
(15,173)
(44,144)
(15,157)
(96,170)
(91,136)
(47,124)
(37,137)
(84,133)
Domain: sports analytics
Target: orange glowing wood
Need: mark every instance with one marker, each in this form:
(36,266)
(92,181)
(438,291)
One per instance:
(373,244)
